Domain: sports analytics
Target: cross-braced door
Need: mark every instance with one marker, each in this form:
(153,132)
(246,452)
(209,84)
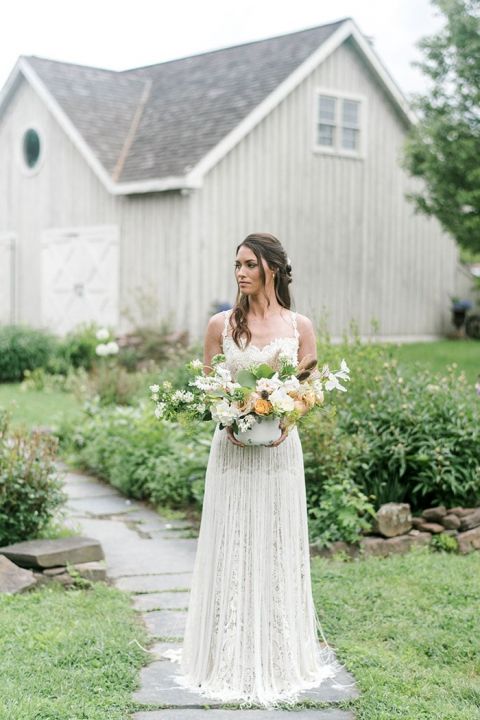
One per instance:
(79,277)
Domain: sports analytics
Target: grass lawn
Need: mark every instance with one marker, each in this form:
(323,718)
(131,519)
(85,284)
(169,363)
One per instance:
(37,407)
(440,353)
(408,628)
(69,655)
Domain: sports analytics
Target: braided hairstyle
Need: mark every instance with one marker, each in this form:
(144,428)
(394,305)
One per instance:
(266,246)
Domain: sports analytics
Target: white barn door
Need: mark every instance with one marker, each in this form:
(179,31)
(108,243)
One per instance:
(7,278)
(80,274)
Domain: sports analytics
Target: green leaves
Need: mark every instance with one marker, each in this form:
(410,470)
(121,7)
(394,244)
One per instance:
(248,378)
(443,148)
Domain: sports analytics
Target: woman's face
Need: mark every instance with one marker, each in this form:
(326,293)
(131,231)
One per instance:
(247,272)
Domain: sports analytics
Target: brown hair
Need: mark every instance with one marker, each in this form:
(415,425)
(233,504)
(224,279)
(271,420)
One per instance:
(266,246)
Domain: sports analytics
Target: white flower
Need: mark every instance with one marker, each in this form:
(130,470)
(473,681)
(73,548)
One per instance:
(200,407)
(167,384)
(332,382)
(343,372)
(281,401)
(182,396)
(155,396)
(102,334)
(101,350)
(196,364)
(112,348)
(291,383)
(159,410)
(223,373)
(154,388)
(318,390)
(268,384)
(246,423)
(224,413)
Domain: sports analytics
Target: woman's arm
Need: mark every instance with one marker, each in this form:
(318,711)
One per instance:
(213,340)
(307,340)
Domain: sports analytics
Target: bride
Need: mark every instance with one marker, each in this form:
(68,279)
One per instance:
(251,630)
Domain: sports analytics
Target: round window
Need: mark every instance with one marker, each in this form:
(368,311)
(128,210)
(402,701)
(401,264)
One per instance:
(31,148)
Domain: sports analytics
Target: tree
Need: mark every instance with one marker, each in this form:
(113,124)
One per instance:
(443,147)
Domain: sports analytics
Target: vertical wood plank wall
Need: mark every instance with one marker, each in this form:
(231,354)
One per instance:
(358,250)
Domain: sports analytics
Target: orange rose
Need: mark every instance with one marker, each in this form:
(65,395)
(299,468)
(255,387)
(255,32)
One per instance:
(262,407)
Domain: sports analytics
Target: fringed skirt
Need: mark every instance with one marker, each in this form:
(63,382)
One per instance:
(251,629)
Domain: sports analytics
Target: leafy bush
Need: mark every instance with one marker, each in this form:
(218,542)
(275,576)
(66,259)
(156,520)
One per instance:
(419,439)
(337,508)
(30,490)
(24,348)
(78,347)
(143,457)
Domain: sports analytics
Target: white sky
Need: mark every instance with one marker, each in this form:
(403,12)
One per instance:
(120,34)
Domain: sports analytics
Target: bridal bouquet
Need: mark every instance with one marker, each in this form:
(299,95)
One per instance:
(257,404)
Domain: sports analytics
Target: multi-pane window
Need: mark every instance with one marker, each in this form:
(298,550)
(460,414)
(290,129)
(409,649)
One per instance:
(338,124)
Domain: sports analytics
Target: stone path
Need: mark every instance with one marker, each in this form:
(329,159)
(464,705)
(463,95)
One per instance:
(147,556)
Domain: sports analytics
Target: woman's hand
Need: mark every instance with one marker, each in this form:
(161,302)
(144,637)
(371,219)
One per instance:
(232,437)
(280,439)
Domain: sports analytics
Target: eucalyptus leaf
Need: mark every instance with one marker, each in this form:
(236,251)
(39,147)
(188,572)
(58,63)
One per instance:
(246,378)
(264,371)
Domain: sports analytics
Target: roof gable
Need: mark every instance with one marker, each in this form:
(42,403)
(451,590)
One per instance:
(163,126)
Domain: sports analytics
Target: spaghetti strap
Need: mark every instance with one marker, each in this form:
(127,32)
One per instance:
(294,322)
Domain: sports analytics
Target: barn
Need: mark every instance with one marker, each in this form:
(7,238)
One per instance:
(115,185)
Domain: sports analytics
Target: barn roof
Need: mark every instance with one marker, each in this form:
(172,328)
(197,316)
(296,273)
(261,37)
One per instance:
(157,127)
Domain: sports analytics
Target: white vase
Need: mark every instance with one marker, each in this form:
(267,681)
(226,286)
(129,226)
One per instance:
(265,431)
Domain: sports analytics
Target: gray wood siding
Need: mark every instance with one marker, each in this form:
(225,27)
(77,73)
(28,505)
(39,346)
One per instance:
(65,192)
(358,250)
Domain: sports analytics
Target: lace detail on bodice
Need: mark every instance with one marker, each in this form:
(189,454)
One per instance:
(238,358)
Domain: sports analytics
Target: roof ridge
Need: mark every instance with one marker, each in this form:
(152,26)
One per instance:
(132,131)
(232,47)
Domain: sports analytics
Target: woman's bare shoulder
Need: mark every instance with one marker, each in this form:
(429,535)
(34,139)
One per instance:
(215,324)
(304,323)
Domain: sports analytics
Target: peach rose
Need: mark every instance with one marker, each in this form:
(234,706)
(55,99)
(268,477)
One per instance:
(301,406)
(262,407)
(309,399)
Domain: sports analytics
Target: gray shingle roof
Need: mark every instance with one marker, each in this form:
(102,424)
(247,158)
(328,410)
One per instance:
(191,103)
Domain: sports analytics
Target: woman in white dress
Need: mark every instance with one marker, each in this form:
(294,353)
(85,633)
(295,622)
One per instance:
(251,630)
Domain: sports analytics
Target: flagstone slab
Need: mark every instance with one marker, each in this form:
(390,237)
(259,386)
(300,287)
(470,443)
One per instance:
(158,685)
(220,714)
(51,553)
(14,579)
(109,505)
(80,491)
(154,583)
(161,601)
(127,553)
(165,623)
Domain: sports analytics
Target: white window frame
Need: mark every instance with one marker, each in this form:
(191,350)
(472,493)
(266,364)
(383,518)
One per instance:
(337,149)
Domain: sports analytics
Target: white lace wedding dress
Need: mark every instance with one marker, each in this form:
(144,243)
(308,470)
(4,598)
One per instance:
(251,630)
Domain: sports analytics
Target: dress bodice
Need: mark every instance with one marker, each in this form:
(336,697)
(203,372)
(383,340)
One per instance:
(238,358)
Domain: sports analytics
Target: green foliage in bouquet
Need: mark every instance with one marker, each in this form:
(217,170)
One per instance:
(30,489)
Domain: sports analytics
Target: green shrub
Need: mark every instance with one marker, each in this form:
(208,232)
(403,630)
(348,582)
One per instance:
(24,348)
(30,490)
(337,508)
(78,347)
(419,439)
(143,457)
